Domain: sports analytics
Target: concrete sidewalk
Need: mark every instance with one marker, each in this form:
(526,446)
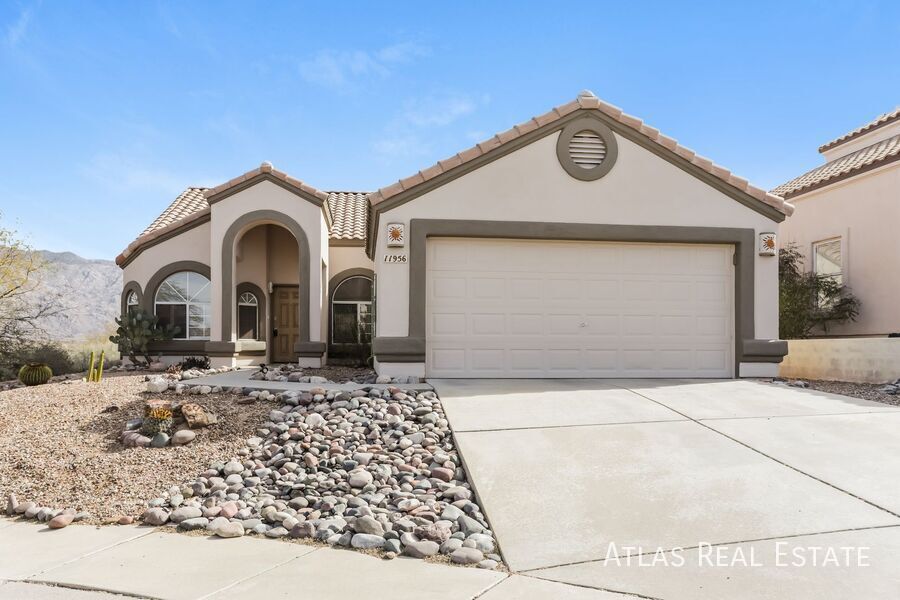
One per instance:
(84,562)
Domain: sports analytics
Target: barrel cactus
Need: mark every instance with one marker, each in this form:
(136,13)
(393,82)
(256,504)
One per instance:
(158,420)
(35,374)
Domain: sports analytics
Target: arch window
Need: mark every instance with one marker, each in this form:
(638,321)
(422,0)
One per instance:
(183,300)
(132,301)
(248,316)
(351,311)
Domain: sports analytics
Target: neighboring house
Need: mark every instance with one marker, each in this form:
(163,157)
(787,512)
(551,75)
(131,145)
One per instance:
(846,218)
(580,243)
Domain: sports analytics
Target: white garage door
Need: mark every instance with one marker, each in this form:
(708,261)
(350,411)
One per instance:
(510,308)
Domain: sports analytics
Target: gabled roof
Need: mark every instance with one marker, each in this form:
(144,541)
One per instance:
(880,121)
(589,102)
(349,210)
(871,157)
(187,203)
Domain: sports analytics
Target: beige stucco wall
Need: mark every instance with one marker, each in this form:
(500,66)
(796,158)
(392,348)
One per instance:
(862,360)
(269,196)
(190,245)
(530,185)
(864,212)
(347,257)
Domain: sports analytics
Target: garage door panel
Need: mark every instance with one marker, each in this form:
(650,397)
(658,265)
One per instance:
(641,310)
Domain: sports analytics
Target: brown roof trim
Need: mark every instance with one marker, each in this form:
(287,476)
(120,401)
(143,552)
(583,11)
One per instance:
(586,101)
(877,164)
(160,235)
(266,172)
(632,128)
(879,122)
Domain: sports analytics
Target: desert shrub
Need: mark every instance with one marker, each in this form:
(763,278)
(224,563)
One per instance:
(51,354)
(195,362)
(808,303)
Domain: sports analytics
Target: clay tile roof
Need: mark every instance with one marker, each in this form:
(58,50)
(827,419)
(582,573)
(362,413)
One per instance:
(870,157)
(349,210)
(188,202)
(266,168)
(585,101)
(880,121)
(350,215)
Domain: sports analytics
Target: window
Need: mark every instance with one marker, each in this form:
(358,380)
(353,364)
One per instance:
(248,316)
(351,311)
(828,264)
(182,300)
(827,260)
(131,301)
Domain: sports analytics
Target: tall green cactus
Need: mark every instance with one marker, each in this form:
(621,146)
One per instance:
(137,329)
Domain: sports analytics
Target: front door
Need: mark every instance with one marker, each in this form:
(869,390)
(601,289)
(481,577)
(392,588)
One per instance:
(285,328)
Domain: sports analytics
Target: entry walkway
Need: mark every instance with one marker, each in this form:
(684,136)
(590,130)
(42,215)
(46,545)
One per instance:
(93,563)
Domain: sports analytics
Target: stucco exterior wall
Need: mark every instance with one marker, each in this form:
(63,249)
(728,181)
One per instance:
(267,196)
(347,257)
(531,185)
(191,245)
(863,212)
(862,360)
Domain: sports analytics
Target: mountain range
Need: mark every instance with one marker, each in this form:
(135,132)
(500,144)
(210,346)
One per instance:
(89,295)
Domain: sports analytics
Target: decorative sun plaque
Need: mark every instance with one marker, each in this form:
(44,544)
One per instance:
(396,235)
(767,244)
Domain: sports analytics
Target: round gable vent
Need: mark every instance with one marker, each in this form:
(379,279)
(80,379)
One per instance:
(586,149)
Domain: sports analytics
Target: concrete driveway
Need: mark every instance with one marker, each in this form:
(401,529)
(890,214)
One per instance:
(692,489)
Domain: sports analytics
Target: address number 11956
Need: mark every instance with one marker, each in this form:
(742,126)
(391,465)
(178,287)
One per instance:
(395,258)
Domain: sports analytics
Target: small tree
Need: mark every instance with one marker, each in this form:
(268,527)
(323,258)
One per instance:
(137,329)
(807,301)
(24,303)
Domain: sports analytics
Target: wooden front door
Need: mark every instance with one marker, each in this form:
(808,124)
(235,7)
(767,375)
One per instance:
(285,328)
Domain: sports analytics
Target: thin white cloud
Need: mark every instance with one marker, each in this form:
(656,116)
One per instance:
(422,119)
(438,112)
(16,31)
(339,69)
(122,174)
(400,146)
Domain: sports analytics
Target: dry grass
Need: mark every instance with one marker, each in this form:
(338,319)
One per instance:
(59,448)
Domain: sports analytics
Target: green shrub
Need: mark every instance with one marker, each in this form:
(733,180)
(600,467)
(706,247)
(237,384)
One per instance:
(51,354)
(195,362)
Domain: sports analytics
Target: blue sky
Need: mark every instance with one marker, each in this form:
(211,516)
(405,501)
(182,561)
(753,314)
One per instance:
(109,109)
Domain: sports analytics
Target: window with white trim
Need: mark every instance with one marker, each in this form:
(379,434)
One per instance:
(828,261)
(183,300)
(351,311)
(248,316)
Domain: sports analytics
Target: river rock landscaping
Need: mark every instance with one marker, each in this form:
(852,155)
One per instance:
(372,469)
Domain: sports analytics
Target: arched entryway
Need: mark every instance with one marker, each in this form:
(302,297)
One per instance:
(270,251)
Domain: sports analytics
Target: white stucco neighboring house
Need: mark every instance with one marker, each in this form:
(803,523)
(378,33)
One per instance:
(579,243)
(845,221)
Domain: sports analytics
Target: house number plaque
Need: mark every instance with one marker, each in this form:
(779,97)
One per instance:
(395,258)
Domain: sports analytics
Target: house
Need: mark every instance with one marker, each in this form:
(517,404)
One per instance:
(580,243)
(845,218)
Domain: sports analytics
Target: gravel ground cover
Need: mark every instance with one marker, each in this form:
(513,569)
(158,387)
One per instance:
(375,470)
(60,445)
(867,391)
